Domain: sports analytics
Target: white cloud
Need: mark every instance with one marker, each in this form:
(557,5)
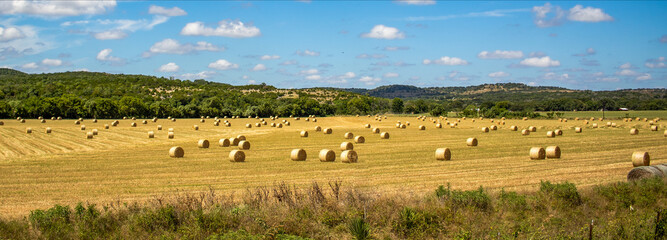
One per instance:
(626,66)
(269,57)
(589,52)
(554,76)
(395,48)
(289,62)
(446,61)
(52,62)
(31,65)
(499,74)
(369,80)
(307,53)
(252,82)
(500,54)
(626,72)
(199,75)
(110,35)
(416,2)
(105,56)
(589,14)
(383,32)
(540,62)
(369,56)
(310,71)
(55,8)
(313,77)
(223,64)
(169,67)
(171,46)
(541,14)
(656,63)
(390,75)
(10,33)
(259,67)
(348,75)
(225,28)
(643,77)
(170,12)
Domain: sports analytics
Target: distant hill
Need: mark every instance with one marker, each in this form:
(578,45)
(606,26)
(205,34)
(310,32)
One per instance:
(10,72)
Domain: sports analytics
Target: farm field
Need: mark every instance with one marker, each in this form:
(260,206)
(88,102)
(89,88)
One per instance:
(38,170)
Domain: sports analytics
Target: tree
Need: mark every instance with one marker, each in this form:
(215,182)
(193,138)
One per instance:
(397,105)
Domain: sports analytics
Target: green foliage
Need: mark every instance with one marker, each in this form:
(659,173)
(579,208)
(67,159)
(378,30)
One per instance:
(624,194)
(162,218)
(53,223)
(397,105)
(476,198)
(566,192)
(513,200)
(416,223)
(359,228)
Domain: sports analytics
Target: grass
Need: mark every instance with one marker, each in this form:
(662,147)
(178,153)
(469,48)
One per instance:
(123,164)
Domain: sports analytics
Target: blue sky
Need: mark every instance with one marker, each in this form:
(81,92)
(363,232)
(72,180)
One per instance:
(361,44)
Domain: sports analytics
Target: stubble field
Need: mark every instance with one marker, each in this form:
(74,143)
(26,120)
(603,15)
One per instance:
(38,170)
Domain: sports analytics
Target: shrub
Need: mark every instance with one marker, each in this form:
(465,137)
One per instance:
(566,192)
(512,200)
(163,218)
(52,223)
(359,228)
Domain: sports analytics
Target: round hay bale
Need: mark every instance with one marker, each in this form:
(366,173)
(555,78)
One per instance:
(89,135)
(234,141)
(81,119)
(553,152)
(94,132)
(159,127)
(195,127)
(106,126)
(228,124)
(83,127)
(307,119)
(327,155)
(264,123)
(273,124)
(236,156)
(349,156)
(48,130)
(216,123)
(654,128)
(577,129)
(144,122)
(407,123)
(2,123)
(202,121)
(595,125)
(608,124)
(359,139)
(241,137)
(472,142)
(422,127)
(314,119)
(203,143)
(438,125)
(176,152)
(551,134)
(28,130)
(151,134)
(643,172)
(634,131)
(134,118)
(586,122)
(42,121)
(327,131)
(443,154)
(154,119)
(170,130)
(133,124)
(514,128)
(375,130)
(485,129)
(244,145)
(398,125)
(348,135)
(59,118)
(346,146)
(248,125)
(525,132)
(77,122)
(258,124)
(279,125)
(367,126)
(532,129)
(22,121)
(384,135)
(304,133)
(640,159)
(170,135)
(403,126)
(298,155)
(613,124)
(558,132)
(537,153)
(173,119)
(223,142)
(53,118)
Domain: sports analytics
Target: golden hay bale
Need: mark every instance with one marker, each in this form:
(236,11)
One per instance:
(304,133)
(233,141)
(551,134)
(537,153)
(327,155)
(48,130)
(493,127)
(106,126)
(665,133)
(608,124)
(173,119)
(634,131)
(585,121)
(422,127)
(94,131)
(398,125)
(216,123)
(244,145)
(144,122)
(59,118)
(287,123)
(203,143)
(83,127)
(223,142)
(564,119)
(359,139)
(403,126)
(348,135)
(273,124)
(176,152)
(81,119)
(367,126)
(40,118)
(42,121)
(154,119)
(133,124)
(577,129)
(438,125)
(307,119)
(532,129)
(654,128)
(525,132)
(279,125)
(640,159)
(314,120)
(384,135)
(553,152)
(151,134)
(264,123)
(375,130)
(298,155)
(514,128)
(472,142)
(170,135)
(346,146)
(613,124)
(28,130)
(241,137)
(464,118)
(236,156)
(2,123)
(195,127)
(327,131)
(485,129)
(228,124)
(89,135)
(77,122)
(643,172)
(248,125)
(170,130)
(525,118)
(349,156)
(558,132)
(258,124)
(443,154)
(159,127)
(134,118)
(595,125)
(202,120)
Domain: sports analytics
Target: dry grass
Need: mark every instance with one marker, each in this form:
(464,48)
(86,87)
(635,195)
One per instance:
(120,164)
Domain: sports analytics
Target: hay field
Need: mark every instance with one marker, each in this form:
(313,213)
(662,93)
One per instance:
(38,170)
